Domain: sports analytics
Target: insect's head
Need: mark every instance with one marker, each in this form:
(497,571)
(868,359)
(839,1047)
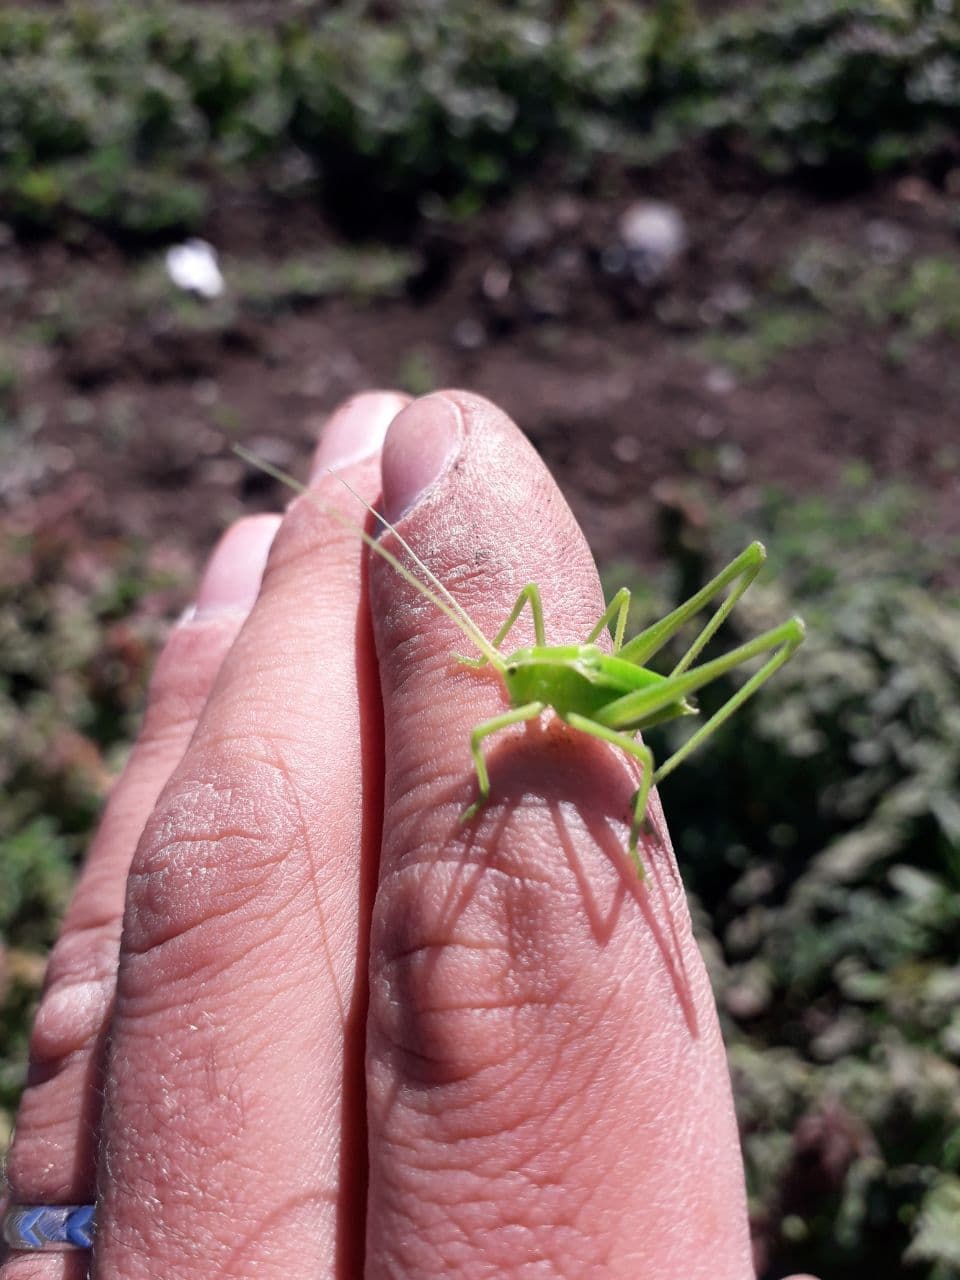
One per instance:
(519,674)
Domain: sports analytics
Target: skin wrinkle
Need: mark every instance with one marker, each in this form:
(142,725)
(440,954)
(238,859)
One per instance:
(459,1116)
(190,933)
(188,821)
(63,1266)
(553,994)
(521,766)
(438,890)
(154,1001)
(203,1251)
(391,959)
(168,721)
(216,1119)
(420,856)
(442,944)
(487,1084)
(472,853)
(293,558)
(313,866)
(202,965)
(540,1242)
(669,950)
(458,1255)
(181,679)
(88,953)
(574,1098)
(70,1021)
(229,745)
(281,1219)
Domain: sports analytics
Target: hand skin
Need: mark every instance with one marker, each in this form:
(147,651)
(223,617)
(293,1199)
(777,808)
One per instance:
(301,1022)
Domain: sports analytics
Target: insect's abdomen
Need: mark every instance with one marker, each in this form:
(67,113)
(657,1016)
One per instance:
(567,678)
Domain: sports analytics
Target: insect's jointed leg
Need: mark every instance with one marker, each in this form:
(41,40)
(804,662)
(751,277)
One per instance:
(529,595)
(640,752)
(618,608)
(643,706)
(785,640)
(745,568)
(528,712)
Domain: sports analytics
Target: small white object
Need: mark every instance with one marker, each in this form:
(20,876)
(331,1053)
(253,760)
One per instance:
(193,266)
(654,235)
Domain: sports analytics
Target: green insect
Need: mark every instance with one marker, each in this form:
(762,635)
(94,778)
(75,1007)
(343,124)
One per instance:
(607,696)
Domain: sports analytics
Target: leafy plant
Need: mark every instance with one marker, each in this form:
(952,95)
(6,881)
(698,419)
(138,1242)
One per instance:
(820,838)
(79,623)
(827,290)
(127,115)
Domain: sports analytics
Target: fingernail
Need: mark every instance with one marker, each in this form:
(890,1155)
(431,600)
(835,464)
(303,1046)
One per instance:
(355,431)
(421,445)
(231,580)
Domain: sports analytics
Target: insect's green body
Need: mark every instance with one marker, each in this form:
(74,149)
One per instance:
(611,697)
(582,678)
(607,696)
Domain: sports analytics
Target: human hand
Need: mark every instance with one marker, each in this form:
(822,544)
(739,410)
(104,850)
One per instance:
(429,1050)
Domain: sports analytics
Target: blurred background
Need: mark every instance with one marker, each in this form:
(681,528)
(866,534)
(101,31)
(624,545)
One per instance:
(708,256)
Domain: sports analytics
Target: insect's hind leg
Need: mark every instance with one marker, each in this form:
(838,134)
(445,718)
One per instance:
(640,752)
(784,640)
(741,572)
(528,712)
(529,595)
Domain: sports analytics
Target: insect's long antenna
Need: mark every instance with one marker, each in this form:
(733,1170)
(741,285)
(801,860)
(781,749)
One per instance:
(436,593)
(466,623)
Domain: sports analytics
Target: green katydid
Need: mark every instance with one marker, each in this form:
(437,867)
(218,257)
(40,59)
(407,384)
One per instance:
(607,696)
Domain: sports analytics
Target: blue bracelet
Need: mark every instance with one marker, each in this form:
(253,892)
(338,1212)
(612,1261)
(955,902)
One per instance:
(53,1228)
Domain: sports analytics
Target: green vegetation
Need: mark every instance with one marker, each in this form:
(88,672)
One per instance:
(416,374)
(760,337)
(827,291)
(915,301)
(819,836)
(79,625)
(920,294)
(129,115)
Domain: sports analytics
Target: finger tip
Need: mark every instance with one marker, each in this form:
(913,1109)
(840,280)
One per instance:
(231,580)
(423,442)
(356,430)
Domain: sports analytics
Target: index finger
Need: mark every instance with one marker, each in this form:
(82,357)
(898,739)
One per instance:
(548,1091)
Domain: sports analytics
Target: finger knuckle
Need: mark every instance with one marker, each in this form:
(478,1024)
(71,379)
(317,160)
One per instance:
(460,983)
(77,993)
(220,850)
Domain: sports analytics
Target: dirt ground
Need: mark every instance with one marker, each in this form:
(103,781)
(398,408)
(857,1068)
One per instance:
(604,373)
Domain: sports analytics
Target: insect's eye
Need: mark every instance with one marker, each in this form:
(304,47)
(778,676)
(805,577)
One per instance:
(512,670)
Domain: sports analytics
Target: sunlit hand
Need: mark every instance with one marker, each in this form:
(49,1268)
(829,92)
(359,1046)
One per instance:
(301,1022)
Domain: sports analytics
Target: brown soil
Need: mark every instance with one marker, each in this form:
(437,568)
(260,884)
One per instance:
(600,372)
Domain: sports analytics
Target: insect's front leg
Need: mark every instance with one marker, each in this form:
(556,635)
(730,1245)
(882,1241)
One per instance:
(639,752)
(529,595)
(528,712)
